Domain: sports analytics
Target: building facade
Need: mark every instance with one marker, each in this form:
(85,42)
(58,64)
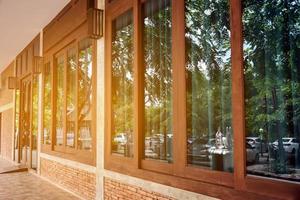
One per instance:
(160,99)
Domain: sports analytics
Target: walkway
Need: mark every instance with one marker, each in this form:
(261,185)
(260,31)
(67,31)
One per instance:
(7,166)
(27,186)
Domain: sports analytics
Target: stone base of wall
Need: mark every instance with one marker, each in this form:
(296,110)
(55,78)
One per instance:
(78,181)
(117,190)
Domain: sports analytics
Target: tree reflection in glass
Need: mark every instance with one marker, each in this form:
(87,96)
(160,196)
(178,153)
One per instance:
(17,120)
(272,96)
(35,120)
(47,105)
(71,96)
(122,85)
(59,100)
(85,95)
(158,79)
(208,84)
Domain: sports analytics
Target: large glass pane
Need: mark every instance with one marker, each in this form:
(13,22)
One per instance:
(158,79)
(208,85)
(34,128)
(272,84)
(47,114)
(122,85)
(85,95)
(71,96)
(17,121)
(59,100)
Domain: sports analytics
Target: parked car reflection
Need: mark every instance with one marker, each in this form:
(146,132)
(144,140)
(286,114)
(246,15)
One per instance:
(158,146)
(123,144)
(204,151)
(252,154)
(257,143)
(290,145)
(197,150)
(276,158)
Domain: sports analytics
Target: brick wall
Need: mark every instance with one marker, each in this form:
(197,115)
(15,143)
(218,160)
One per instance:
(80,182)
(7,134)
(117,190)
(7,129)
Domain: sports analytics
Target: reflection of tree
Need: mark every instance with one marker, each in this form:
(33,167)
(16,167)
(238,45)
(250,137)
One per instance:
(17,117)
(85,83)
(71,95)
(85,93)
(59,99)
(47,114)
(208,67)
(272,47)
(35,100)
(158,69)
(122,75)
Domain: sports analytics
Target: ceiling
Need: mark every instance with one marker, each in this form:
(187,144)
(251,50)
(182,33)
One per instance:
(21,21)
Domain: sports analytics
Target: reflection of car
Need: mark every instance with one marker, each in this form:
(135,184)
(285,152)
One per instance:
(120,138)
(150,154)
(191,139)
(290,145)
(259,144)
(252,154)
(211,142)
(197,149)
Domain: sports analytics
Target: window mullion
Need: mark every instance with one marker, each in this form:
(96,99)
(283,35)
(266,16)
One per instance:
(138,85)
(238,108)
(179,92)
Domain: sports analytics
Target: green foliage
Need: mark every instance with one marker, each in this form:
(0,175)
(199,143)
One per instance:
(158,68)
(272,73)
(208,67)
(122,75)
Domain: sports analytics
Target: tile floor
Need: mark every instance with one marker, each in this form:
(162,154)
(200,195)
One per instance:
(27,186)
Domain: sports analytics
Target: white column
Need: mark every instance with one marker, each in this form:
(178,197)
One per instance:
(100,113)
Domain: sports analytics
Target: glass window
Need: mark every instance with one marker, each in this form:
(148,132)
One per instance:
(71,96)
(85,95)
(122,85)
(272,87)
(208,85)
(17,121)
(59,126)
(47,116)
(34,128)
(158,80)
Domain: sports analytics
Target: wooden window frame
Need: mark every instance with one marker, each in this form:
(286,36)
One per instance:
(180,174)
(72,153)
(118,161)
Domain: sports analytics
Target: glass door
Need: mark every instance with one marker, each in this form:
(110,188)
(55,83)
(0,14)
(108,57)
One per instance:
(25,125)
